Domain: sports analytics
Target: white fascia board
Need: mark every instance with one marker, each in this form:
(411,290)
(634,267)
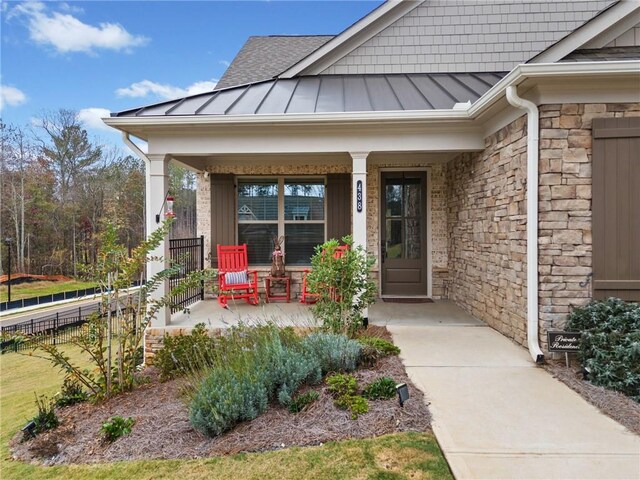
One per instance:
(548,70)
(301,119)
(594,27)
(351,38)
(614,31)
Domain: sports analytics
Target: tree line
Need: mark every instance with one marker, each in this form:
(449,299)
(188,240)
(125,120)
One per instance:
(59,187)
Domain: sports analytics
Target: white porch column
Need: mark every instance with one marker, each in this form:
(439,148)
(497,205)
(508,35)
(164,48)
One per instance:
(359,198)
(158,184)
(359,205)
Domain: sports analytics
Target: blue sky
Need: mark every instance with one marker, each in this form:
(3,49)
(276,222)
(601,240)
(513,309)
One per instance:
(94,56)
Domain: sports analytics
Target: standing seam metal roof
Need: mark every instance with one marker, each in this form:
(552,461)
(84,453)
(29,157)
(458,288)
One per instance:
(331,93)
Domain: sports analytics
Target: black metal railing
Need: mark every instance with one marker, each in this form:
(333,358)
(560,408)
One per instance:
(54,329)
(188,252)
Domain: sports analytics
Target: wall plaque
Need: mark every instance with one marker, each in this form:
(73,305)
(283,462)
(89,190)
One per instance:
(563,341)
(359,196)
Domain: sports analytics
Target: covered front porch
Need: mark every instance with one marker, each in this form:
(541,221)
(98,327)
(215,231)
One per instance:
(439,312)
(391,200)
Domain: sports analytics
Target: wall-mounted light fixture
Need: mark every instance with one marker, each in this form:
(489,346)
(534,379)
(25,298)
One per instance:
(168,201)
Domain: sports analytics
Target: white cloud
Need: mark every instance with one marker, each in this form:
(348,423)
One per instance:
(165,91)
(66,7)
(91,118)
(11,96)
(226,63)
(66,33)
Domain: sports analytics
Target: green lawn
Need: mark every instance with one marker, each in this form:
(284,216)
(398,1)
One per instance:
(398,456)
(35,289)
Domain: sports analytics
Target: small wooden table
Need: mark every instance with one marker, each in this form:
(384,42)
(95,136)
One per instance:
(283,296)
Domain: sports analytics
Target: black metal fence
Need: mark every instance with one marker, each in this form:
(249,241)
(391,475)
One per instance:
(188,252)
(54,297)
(54,329)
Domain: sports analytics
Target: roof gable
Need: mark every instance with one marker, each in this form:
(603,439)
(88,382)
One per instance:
(598,32)
(264,57)
(351,37)
(467,36)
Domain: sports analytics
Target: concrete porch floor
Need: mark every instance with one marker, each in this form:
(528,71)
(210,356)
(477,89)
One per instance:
(439,313)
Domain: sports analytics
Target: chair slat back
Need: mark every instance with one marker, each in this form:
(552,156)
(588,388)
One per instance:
(232,258)
(340,251)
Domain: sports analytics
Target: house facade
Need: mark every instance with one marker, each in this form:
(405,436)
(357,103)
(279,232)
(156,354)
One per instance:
(482,152)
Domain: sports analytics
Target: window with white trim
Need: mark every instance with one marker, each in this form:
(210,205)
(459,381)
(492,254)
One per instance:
(283,206)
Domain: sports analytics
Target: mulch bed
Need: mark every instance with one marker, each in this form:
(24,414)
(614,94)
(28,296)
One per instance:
(162,428)
(615,405)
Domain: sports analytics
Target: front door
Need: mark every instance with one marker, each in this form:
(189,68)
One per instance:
(404,233)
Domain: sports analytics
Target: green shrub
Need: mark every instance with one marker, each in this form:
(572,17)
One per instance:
(46,419)
(287,368)
(253,366)
(341,385)
(301,402)
(336,353)
(70,393)
(356,404)
(379,389)
(113,342)
(181,354)
(375,348)
(116,427)
(344,388)
(343,285)
(610,343)
(225,398)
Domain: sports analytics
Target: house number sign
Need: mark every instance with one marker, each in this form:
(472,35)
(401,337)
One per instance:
(359,196)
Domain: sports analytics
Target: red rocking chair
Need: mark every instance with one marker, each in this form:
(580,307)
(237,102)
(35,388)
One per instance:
(309,297)
(234,278)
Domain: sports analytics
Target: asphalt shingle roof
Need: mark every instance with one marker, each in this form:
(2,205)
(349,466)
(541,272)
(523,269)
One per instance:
(606,54)
(332,94)
(262,58)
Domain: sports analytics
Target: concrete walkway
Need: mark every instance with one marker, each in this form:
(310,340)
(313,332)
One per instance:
(495,414)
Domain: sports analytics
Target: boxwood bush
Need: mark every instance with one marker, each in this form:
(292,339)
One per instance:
(610,344)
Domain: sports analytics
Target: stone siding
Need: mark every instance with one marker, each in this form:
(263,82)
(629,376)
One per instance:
(487,220)
(486,213)
(437,201)
(565,206)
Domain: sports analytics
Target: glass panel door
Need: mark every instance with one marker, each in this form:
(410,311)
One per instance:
(403,233)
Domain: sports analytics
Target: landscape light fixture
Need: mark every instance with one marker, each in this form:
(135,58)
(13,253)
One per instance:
(168,201)
(29,429)
(403,393)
